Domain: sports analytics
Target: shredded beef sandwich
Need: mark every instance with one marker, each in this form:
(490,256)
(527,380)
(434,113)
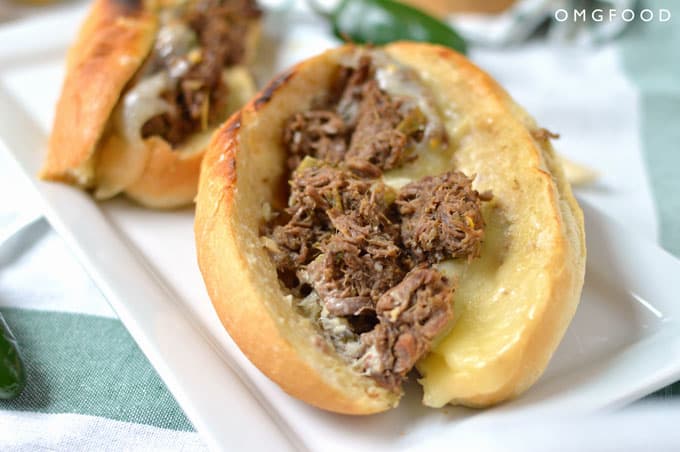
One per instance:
(359,255)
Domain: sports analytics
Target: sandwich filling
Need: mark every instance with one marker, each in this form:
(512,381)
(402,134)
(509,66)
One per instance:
(182,88)
(358,255)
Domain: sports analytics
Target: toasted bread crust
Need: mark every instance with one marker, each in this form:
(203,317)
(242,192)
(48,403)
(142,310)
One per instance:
(111,45)
(245,166)
(169,179)
(446,7)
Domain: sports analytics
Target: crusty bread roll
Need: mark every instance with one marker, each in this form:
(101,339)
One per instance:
(446,7)
(512,305)
(90,146)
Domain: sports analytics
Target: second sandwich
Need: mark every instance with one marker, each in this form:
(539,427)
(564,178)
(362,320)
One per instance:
(146,83)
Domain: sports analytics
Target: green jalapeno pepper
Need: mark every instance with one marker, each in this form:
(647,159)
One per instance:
(12,375)
(383,21)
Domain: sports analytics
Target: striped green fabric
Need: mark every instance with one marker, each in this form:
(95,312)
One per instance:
(88,365)
(650,56)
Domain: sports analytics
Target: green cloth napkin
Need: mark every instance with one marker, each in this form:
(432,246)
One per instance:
(651,59)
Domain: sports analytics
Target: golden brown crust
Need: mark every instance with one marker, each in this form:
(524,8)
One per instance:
(112,44)
(244,167)
(446,7)
(169,179)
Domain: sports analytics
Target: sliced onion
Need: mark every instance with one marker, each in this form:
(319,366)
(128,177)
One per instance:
(123,155)
(141,103)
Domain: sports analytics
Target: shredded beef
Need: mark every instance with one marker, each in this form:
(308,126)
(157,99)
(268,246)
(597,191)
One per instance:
(349,306)
(375,140)
(314,191)
(317,133)
(441,217)
(198,97)
(222,26)
(334,212)
(347,92)
(363,252)
(357,125)
(411,314)
(346,272)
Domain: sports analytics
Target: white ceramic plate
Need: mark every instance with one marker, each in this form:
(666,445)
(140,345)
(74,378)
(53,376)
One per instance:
(620,346)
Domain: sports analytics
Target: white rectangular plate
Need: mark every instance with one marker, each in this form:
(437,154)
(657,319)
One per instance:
(617,348)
